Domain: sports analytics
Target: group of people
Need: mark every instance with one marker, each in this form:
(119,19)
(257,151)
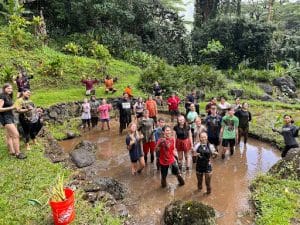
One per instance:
(223,127)
(23,111)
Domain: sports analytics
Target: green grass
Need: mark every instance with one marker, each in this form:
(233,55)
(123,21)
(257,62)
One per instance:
(58,131)
(277,201)
(22,180)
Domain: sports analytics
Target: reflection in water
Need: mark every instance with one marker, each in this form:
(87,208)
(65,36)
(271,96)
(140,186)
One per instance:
(230,178)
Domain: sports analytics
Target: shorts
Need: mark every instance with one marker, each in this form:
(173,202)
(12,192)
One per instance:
(183,145)
(148,146)
(164,169)
(89,92)
(228,142)
(174,112)
(214,140)
(6,119)
(104,120)
(139,114)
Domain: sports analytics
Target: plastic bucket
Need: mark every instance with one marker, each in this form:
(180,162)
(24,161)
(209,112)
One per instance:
(64,212)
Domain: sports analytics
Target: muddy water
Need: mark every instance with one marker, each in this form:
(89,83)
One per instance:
(231,178)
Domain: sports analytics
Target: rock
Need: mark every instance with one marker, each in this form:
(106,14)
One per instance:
(266,98)
(112,186)
(189,213)
(70,134)
(53,114)
(120,210)
(286,85)
(83,155)
(268,89)
(289,166)
(90,197)
(91,188)
(236,92)
(108,198)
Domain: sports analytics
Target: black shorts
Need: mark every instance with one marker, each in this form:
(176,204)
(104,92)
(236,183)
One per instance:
(214,140)
(139,115)
(174,112)
(6,119)
(228,142)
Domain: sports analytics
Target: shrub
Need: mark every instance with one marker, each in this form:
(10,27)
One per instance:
(99,51)
(54,68)
(139,58)
(7,74)
(253,75)
(72,48)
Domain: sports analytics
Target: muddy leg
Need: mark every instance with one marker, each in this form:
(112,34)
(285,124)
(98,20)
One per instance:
(199,178)
(207,182)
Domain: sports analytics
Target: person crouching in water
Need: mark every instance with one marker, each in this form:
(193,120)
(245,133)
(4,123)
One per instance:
(203,155)
(133,142)
(166,148)
(289,132)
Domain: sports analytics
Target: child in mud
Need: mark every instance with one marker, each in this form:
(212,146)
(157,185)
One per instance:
(289,132)
(133,142)
(86,114)
(203,154)
(157,135)
(103,110)
(166,147)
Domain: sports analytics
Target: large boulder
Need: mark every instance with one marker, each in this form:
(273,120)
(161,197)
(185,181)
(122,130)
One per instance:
(286,85)
(111,186)
(236,92)
(268,89)
(189,213)
(289,166)
(266,98)
(84,154)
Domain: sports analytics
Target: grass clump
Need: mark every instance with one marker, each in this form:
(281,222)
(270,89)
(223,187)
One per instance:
(277,201)
(59,131)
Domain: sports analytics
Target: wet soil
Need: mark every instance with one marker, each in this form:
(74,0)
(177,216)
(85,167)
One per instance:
(147,200)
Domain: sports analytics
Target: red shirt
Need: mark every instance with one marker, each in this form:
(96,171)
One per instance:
(173,103)
(89,84)
(166,151)
(151,107)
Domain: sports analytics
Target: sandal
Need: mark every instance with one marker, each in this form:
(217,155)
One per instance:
(21,156)
(12,153)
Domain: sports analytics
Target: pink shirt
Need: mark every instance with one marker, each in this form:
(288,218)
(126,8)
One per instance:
(104,111)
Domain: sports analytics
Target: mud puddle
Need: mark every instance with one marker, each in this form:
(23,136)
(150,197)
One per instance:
(230,181)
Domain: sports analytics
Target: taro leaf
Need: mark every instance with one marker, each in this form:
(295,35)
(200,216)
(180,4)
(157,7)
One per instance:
(34,202)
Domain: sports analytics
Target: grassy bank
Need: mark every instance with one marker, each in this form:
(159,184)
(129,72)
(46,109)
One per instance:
(22,180)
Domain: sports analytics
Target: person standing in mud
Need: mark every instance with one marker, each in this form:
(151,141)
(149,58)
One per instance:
(86,114)
(203,155)
(289,132)
(191,117)
(157,135)
(192,99)
(166,148)
(133,142)
(103,110)
(223,106)
(184,140)
(94,103)
(145,126)
(157,91)
(213,125)
(151,106)
(237,105)
(244,117)
(173,103)
(138,108)
(229,132)
(213,102)
(124,107)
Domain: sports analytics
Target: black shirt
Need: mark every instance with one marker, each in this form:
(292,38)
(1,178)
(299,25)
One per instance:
(8,102)
(244,118)
(182,132)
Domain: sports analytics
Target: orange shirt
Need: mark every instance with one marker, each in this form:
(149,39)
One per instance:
(151,107)
(109,83)
(128,91)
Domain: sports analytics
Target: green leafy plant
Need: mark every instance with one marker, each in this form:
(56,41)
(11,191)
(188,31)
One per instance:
(99,51)
(7,73)
(72,48)
(54,68)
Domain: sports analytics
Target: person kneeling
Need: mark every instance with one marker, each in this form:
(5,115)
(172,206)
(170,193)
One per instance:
(166,148)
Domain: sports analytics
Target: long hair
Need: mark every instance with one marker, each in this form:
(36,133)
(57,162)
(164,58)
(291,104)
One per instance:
(6,85)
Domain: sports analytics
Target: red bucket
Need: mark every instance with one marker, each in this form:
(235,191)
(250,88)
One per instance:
(64,212)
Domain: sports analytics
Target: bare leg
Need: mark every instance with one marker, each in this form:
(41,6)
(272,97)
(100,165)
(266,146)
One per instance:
(14,136)
(187,160)
(142,164)
(9,143)
(180,158)
(108,126)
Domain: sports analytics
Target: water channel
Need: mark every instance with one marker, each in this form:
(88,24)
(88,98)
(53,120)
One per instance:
(230,182)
